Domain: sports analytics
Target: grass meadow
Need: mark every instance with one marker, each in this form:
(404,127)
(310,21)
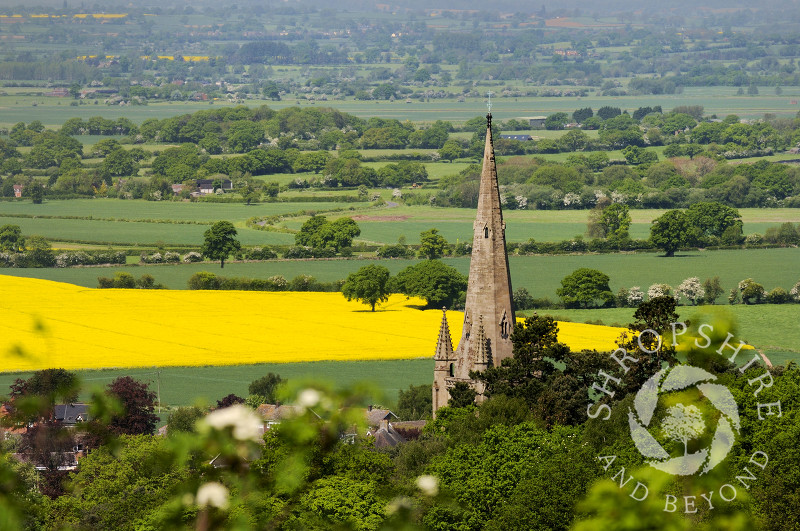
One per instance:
(715,100)
(772,328)
(541,275)
(145,223)
(188,385)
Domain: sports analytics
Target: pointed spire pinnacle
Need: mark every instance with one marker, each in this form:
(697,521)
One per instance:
(482,354)
(444,347)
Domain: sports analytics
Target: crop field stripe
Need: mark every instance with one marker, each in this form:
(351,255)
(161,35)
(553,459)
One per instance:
(141,328)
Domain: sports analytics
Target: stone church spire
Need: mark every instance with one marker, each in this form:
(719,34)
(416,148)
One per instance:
(444,347)
(488,306)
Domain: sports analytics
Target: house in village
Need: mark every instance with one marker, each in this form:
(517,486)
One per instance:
(70,415)
(206,186)
(65,459)
(537,122)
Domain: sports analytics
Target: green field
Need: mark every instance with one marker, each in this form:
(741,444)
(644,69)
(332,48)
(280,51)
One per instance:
(146,222)
(716,100)
(540,275)
(772,328)
(188,385)
(161,210)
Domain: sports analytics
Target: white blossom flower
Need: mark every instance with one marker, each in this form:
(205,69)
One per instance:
(659,290)
(429,485)
(213,494)
(571,198)
(308,398)
(399,503)
(795,292)
(691,289)
(246,424)
(635,296)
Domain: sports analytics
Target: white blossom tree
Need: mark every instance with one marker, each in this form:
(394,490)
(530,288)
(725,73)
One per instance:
(635,296)
(794,293)
(659,290)
(691,289)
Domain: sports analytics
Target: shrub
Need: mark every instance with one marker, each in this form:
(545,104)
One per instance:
(635,296)
(302,283)
(79,258)
(691,289)
(395,250)
(752,292)
(794,293)
(204,280)
(260,253)
(124,280)
(192,257)
(712,289)
(171,258)
(323,252)
(622,297)
(155,258)
(105,282)
(659,290)
(753,239)
(297,252)
(522,299)
(778,296)
(279,282)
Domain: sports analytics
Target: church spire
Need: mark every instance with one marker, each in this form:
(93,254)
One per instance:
(488,313)
(483,354)
(444,347)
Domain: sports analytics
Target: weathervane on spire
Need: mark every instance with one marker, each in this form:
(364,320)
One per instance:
(489,103)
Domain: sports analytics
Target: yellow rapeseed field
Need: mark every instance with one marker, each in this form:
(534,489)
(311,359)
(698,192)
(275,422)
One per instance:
(51,324)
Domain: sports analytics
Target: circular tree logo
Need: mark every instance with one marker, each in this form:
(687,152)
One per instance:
(692,428)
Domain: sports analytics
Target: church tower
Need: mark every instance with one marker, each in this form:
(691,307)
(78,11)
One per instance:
(488,314)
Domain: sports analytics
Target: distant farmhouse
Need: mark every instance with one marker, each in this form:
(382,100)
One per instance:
(206,186)
(537,122)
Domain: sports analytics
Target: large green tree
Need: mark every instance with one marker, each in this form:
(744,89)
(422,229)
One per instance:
(585,288)
(220,241)
(320,233)
(611,222)
(670,231)
(415,403)
(432,244)
(370,285)
(712,219)
(120,486)
(266,387)
(433,280)
(11,239)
